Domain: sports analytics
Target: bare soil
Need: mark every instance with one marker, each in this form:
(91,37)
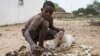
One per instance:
(11,37)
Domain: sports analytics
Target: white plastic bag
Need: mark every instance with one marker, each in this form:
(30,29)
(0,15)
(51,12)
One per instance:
(50,44)
(68,39)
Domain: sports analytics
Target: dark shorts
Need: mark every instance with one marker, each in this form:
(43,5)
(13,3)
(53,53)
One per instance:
(35,35)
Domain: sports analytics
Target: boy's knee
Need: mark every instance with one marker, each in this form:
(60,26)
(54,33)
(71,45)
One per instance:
(23,32)
(45,24)
(52,32)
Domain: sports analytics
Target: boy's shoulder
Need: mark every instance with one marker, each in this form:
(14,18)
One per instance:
(35,18)
(38,16)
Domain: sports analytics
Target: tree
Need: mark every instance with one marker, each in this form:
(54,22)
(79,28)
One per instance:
(58,8)
(93,9)
(96,6)
(80,10)
(75,12)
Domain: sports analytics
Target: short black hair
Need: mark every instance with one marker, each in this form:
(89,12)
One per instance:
(48,3)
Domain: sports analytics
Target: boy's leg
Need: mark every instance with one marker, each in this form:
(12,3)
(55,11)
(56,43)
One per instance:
(34,36)
(43,32)
(51,34)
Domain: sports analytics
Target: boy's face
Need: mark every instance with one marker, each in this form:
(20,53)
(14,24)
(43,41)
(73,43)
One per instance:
(47,11)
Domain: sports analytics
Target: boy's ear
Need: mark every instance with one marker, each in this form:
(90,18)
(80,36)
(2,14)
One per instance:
(41,9)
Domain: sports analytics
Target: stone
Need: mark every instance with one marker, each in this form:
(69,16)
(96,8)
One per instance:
(86,47)
(71,55)
(20,52)
(94,53)
(82,54)
(0,34)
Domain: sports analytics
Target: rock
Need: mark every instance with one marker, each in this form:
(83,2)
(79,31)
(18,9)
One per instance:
(60,54)
(86,47)
(0,34)
(7,29)
(94,53)
(22,48)
(9,54)
(71,55)
(46,54)
(82,54)
(38,51)
(20,52)
(86,50)
(89,54)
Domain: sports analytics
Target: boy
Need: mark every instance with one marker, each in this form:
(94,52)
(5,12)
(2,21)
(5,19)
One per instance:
(40,27)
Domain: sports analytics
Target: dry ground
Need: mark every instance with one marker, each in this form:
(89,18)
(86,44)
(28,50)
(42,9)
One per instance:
(11,37)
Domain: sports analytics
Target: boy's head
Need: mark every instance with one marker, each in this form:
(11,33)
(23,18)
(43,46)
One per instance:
(48,8)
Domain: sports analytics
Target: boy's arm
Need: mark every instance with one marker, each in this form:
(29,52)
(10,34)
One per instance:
(29,39)
(33,25)
(53,27)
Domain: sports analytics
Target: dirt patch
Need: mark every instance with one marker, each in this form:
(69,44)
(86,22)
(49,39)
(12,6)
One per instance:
(85,34)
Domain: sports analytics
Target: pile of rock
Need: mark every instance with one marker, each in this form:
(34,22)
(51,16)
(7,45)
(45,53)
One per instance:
(58,47)
(87,51)
(22,51)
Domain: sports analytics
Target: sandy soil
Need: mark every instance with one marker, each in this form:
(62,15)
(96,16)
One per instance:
(11,37)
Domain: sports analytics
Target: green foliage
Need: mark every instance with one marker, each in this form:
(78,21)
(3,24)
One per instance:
(97,6)
(58,8)
(75,12)
(93,9)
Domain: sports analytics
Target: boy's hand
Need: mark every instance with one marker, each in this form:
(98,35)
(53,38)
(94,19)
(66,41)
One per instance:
(33,48)
(61,30)
(36,48)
